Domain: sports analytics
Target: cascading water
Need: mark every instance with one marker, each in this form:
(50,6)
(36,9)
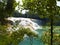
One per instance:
(25,22)
(32,24)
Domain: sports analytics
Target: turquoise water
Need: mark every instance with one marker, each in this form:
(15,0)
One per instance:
(33,41)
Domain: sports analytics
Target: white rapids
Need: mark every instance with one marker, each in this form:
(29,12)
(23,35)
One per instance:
(24,22)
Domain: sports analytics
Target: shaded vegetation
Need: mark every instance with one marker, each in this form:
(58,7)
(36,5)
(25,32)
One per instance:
(46,37)
(14,37)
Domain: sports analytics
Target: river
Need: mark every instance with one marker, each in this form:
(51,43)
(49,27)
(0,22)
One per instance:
(34,25)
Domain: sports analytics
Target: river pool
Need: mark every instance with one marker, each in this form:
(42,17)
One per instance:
(34,41)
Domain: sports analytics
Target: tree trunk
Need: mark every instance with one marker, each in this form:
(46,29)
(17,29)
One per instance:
(51,30)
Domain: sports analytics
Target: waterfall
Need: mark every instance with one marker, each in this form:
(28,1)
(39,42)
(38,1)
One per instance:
(24,22)
(33,24)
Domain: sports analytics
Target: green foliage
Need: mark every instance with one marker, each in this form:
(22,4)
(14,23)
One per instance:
(46,37)
(44,8)
(30,33)
(2,12)
(10,7)
(6,9)
(3,35)
(13,37)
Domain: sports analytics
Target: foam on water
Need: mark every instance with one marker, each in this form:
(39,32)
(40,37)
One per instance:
(24,22)
(27,23)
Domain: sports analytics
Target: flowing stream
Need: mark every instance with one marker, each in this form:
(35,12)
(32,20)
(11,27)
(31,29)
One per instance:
(33,24)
